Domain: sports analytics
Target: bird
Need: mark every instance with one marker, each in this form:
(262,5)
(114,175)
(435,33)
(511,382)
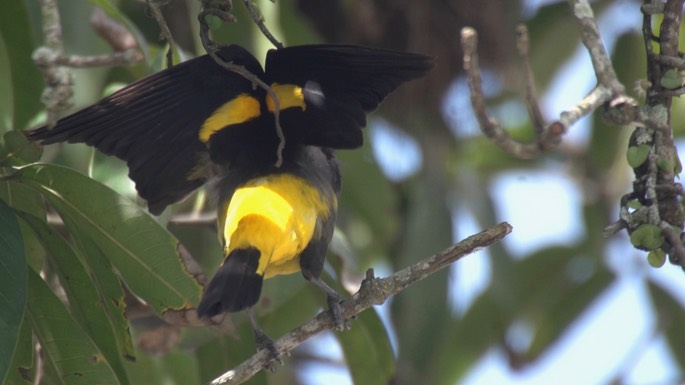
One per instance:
(271,166)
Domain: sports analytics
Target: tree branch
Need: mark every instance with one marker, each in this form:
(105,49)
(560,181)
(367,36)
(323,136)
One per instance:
(52,60)
(373,291)
(589,35)
(259,20)
(165,32)
(58,92)
(609,92)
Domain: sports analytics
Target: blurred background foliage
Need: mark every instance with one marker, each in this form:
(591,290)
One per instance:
(425,179)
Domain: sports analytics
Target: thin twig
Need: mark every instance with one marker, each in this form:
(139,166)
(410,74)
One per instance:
(490,127)
(114,33)
(259,20)
(522,44)
(58,92)
(595,99)
(108,60)
(374,291)
(675,62)
(223,12)
(52,60)
(165,33)
(591,38)
(609,92)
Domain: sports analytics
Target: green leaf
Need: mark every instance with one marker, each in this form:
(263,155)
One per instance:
(551,289)
(656,258)
(21,370)
(566,306)
(665,165)
(461,347)
(175,367)
(16,150)
(225,352)
(23,198)
(671,79)
(637,155)
(634,204)
(145,254)
(647,236)
(18,72)
(7,101)
(181,367)
(671,318)
(94,309)
(370,230)
(12,285)
(367,350)
(69,354)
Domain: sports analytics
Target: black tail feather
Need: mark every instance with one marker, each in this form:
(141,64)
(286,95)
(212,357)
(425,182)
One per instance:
(236,285)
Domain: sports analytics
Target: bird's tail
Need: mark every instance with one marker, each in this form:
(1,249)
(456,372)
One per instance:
(236,286)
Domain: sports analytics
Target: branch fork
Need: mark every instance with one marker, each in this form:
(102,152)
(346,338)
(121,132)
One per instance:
(373,291)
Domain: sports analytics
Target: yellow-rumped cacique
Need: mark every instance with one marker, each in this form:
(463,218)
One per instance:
(196,122)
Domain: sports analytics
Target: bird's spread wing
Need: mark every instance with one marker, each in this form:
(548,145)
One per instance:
(339,85)
(154,124)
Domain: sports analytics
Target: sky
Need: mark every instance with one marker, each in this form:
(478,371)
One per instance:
(610,337)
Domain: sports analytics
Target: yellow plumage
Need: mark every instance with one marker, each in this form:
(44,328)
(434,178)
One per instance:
(277,215)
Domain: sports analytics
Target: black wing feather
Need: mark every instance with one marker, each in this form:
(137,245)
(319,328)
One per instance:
(341,84)
(153,124)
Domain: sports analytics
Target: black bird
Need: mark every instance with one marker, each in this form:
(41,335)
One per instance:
(277,195)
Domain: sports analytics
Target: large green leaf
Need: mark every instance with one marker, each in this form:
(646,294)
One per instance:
(465,342)
(554,320)
(176,367)
(373,222)
(21,370)
(18,73)
(95,310)
(225,352)
(367,350)
(16,150)
(550,290)
(12,285)
(23,198)
(69,354)
(144,253)
(671,318)
(7,101)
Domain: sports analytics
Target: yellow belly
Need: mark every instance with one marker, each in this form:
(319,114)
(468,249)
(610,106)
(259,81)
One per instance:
(278,216)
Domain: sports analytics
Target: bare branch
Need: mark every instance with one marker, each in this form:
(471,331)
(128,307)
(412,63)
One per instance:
(609,92)
(589,35)
(373,291)
(654,184)
(108,60)
(165,33)
(52,60)
(546,137)
(259,20)
(522,44)
(115,34)
(58,92)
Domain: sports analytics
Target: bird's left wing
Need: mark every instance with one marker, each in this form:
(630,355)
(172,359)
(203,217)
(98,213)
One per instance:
(156,124)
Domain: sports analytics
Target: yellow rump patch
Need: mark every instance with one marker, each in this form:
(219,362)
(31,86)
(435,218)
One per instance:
(289,96)
(238,110)
(277,215)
